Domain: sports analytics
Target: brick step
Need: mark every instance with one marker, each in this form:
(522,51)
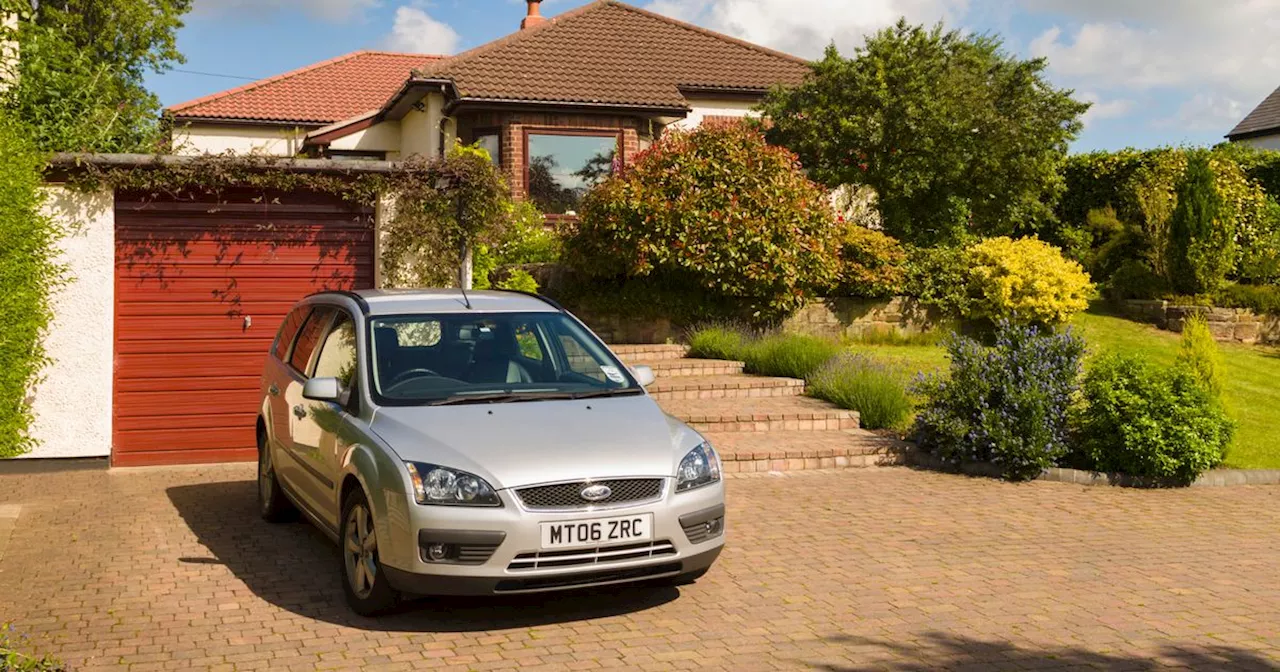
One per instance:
(767,451)
(673,368)
(776,414)
(649,352)
(725,387)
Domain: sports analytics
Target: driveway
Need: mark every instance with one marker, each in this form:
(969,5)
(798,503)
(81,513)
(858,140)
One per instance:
(851,570)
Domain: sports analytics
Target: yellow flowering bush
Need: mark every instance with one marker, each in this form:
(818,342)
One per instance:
(1025,279)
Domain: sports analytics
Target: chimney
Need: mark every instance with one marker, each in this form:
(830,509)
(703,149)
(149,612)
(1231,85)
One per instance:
(535,16)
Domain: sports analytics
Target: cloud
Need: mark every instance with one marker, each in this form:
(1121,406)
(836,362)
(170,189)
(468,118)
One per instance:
(1104,109)
(1216,59)
(1206,111)
(415,31)
(326,10)
(806,27)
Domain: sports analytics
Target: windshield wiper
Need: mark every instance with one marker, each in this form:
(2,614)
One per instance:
(614,392)
(498,397)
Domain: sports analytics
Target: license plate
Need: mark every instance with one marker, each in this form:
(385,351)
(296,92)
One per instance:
(597,531)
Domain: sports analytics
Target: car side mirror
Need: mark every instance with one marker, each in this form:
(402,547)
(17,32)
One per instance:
(322,389)
(644,375)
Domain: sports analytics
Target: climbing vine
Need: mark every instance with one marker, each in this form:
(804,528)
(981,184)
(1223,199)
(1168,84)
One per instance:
(29,273)
(439,205)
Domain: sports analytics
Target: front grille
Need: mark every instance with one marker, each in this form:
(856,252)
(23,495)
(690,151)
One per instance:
(587,579)
(475,554)
(569,495)
(591,556)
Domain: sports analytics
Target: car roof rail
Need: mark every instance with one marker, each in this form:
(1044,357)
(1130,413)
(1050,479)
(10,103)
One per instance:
(535,295)
(360,300)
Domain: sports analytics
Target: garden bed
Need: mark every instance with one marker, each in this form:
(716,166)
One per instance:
(1211,478)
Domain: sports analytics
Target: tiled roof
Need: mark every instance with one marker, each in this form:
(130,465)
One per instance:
(611,53)
(323,93)
(1264,117)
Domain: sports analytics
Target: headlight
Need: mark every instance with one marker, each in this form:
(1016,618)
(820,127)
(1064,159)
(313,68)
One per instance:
(700,467)
(449,487)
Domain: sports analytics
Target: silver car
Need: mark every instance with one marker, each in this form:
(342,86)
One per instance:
(478,443)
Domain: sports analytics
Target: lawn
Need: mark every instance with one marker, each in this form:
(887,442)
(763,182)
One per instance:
(1253,378)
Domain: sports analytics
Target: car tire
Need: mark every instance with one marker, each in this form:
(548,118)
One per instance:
(273,504)
(366,586)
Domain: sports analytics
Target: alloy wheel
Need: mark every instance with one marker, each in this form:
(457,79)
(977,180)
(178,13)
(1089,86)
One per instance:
(360,550)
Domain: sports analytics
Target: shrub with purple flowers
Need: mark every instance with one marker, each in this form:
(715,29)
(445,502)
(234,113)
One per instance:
(1006,404)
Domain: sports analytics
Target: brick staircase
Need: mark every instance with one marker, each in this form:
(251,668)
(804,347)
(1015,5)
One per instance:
(757,423)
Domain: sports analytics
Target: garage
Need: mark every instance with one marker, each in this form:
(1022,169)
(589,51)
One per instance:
(201,285)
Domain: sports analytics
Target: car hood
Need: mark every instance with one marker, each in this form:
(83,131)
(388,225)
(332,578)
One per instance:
(517,444)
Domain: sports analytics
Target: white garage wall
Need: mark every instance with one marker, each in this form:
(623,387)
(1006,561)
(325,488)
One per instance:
(72,403)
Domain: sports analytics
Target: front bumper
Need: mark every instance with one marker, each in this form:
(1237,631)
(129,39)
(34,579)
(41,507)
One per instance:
(687,537)
(529,582)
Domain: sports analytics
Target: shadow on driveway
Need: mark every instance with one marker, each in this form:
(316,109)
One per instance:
(938,650)
(296,568)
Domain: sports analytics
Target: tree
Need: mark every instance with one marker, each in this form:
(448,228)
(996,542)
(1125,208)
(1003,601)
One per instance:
(954,134)
(1201,240)
(715,210)
(80,74)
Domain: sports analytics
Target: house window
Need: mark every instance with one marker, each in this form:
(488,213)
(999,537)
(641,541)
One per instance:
(562,166)
(490,141)
(357,155)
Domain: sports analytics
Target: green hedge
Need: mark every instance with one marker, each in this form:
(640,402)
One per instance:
(28,273)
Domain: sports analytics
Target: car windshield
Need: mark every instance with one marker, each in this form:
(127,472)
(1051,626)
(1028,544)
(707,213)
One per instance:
(454,358)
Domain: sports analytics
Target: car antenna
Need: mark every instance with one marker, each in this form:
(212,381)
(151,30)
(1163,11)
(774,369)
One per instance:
(465,299)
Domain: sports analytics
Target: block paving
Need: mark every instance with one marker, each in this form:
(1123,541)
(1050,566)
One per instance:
(856,569)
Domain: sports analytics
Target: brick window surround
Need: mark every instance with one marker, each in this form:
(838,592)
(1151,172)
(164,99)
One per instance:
(515,124)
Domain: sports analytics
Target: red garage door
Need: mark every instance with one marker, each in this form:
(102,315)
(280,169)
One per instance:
(201,287)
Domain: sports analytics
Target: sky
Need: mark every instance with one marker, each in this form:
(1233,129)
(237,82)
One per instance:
(1159,72)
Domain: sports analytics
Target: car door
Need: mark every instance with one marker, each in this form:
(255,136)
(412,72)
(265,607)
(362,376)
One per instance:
(297,472)
(317,435)
(277,377)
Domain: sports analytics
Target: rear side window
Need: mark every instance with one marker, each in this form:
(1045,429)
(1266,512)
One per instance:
(308,338)
(290,329)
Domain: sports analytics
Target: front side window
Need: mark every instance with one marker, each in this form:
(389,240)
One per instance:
(493,357)
(562,168)
(337,357)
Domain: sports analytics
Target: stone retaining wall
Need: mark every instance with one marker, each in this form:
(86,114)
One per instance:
(1232,325)
(830,317)
(836,317)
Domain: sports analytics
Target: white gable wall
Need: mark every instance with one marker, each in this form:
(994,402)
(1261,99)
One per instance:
(711,107)
(199,138)
(420,129)
(383,137)
(1263,142)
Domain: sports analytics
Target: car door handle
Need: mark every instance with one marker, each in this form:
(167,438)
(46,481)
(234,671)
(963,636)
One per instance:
(299,412)
(273,390)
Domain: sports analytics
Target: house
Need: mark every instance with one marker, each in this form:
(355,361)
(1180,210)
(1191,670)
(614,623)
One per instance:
(158,342)
(1261,127)
(554,103)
